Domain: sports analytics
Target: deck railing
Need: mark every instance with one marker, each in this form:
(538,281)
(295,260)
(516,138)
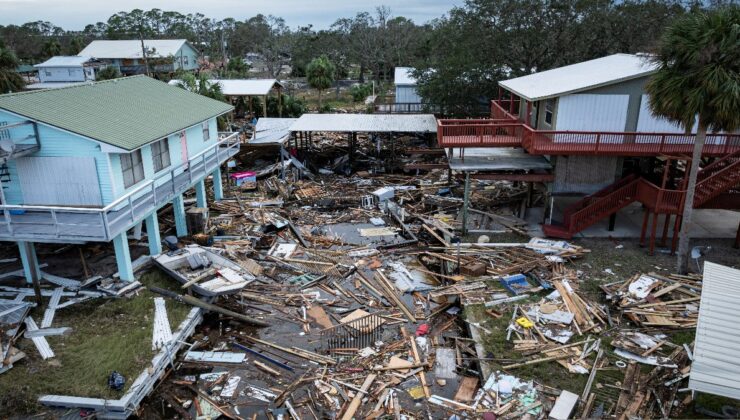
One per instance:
(504,129)
(102,224)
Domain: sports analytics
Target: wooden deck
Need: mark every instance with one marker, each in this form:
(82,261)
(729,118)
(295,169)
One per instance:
(65,224)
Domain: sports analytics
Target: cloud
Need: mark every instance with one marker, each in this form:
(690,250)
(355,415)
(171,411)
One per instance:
(75,14)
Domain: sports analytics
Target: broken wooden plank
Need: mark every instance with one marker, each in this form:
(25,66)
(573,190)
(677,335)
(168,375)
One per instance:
(40,342)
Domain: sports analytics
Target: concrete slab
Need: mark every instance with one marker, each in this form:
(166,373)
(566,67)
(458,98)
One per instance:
(708,223)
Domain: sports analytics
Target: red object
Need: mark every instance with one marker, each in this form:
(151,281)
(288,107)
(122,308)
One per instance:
(422,330)
(504,129)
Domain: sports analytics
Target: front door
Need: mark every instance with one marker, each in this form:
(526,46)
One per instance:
(184,148)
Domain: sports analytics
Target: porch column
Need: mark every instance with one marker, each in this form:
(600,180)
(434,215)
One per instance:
(31,268)
(152,233)
(123,257)
(179,207)
(200,193)
(218,186)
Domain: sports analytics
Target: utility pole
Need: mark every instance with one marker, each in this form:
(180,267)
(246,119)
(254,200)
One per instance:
(143,52)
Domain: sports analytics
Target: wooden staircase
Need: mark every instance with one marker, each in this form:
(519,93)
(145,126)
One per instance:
(717,184)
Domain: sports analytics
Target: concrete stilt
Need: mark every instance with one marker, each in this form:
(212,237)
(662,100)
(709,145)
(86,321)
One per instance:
(218,186)
(123,257)
(152,233)
(29,260)
(466,203)
(178,205)
(200,193)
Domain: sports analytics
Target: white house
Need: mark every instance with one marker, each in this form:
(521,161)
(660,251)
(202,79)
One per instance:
(405,82)
(164,55)
(61,71)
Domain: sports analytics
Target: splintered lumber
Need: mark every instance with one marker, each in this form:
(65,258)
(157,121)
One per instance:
(422,376)
(466,390)
(391,294)
(295,351)
(190,300)
(536,361)
(355,404)
(266,368)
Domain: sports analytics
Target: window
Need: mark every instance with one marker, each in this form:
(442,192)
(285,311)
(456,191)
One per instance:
(206,131)
(185,60)
(47,72)
(71,72)
(132,168)
(161,154)
(548,111)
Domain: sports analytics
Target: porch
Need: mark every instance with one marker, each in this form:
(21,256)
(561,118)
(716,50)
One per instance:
(83,224)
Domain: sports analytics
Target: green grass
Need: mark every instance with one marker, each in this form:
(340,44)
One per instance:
(107,335)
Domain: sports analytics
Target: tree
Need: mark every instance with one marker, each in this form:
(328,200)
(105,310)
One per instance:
(75,45)
(201,85)
(320,74)
(107,73)
(698,60)
(237,68)
(51,48)
(10,80)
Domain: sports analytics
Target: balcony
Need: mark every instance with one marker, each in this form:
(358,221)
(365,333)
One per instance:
(83,224)
(505,130)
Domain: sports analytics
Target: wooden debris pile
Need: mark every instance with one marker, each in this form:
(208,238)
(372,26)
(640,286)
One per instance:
(657,301)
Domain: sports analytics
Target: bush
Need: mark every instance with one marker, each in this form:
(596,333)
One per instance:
(361,91)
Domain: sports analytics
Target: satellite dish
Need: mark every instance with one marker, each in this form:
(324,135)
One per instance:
(7,145)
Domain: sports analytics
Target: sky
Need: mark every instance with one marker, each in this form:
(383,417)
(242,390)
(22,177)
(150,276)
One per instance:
(75,14)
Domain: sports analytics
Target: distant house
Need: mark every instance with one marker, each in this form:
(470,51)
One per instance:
(405,82)
(62,71)
(164,55)
(87,163)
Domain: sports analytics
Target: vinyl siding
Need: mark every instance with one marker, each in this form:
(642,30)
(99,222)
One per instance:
(57,143)
(407,94)
(62,74)
(192,56)
(195,144)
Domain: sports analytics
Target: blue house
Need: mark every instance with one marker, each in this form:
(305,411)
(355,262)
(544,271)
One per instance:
(163,55)
(87,163)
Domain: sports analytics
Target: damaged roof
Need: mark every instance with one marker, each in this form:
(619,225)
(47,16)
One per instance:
(366,123)
(126,113)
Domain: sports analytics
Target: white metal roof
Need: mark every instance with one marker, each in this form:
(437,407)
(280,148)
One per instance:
(241,87)
(716,367)
(272,131)
(53,85)
(403,76)
(579,77)
(366,123)
(64,61)
(131,48)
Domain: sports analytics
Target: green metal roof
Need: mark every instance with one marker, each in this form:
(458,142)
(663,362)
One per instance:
(127,112)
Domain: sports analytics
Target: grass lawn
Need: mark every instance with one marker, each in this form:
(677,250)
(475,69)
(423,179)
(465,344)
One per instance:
(624,258)
(108,335)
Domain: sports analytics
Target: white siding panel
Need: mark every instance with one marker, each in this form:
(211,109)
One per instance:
(716,367)
(64,181)
(407,95)
(592,112)
(649,123)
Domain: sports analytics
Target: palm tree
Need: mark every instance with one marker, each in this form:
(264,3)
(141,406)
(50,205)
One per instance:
(320,74)
(698,60)
(51,48)
(10,80)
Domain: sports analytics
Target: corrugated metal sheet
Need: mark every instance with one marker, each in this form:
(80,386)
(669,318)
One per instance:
(131,48)
(366,123)
(588,112)
(59,181)
(716,366)
(272,130)
(240,87)
(649,123)
(64,61)
(407,95)
(579,77)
